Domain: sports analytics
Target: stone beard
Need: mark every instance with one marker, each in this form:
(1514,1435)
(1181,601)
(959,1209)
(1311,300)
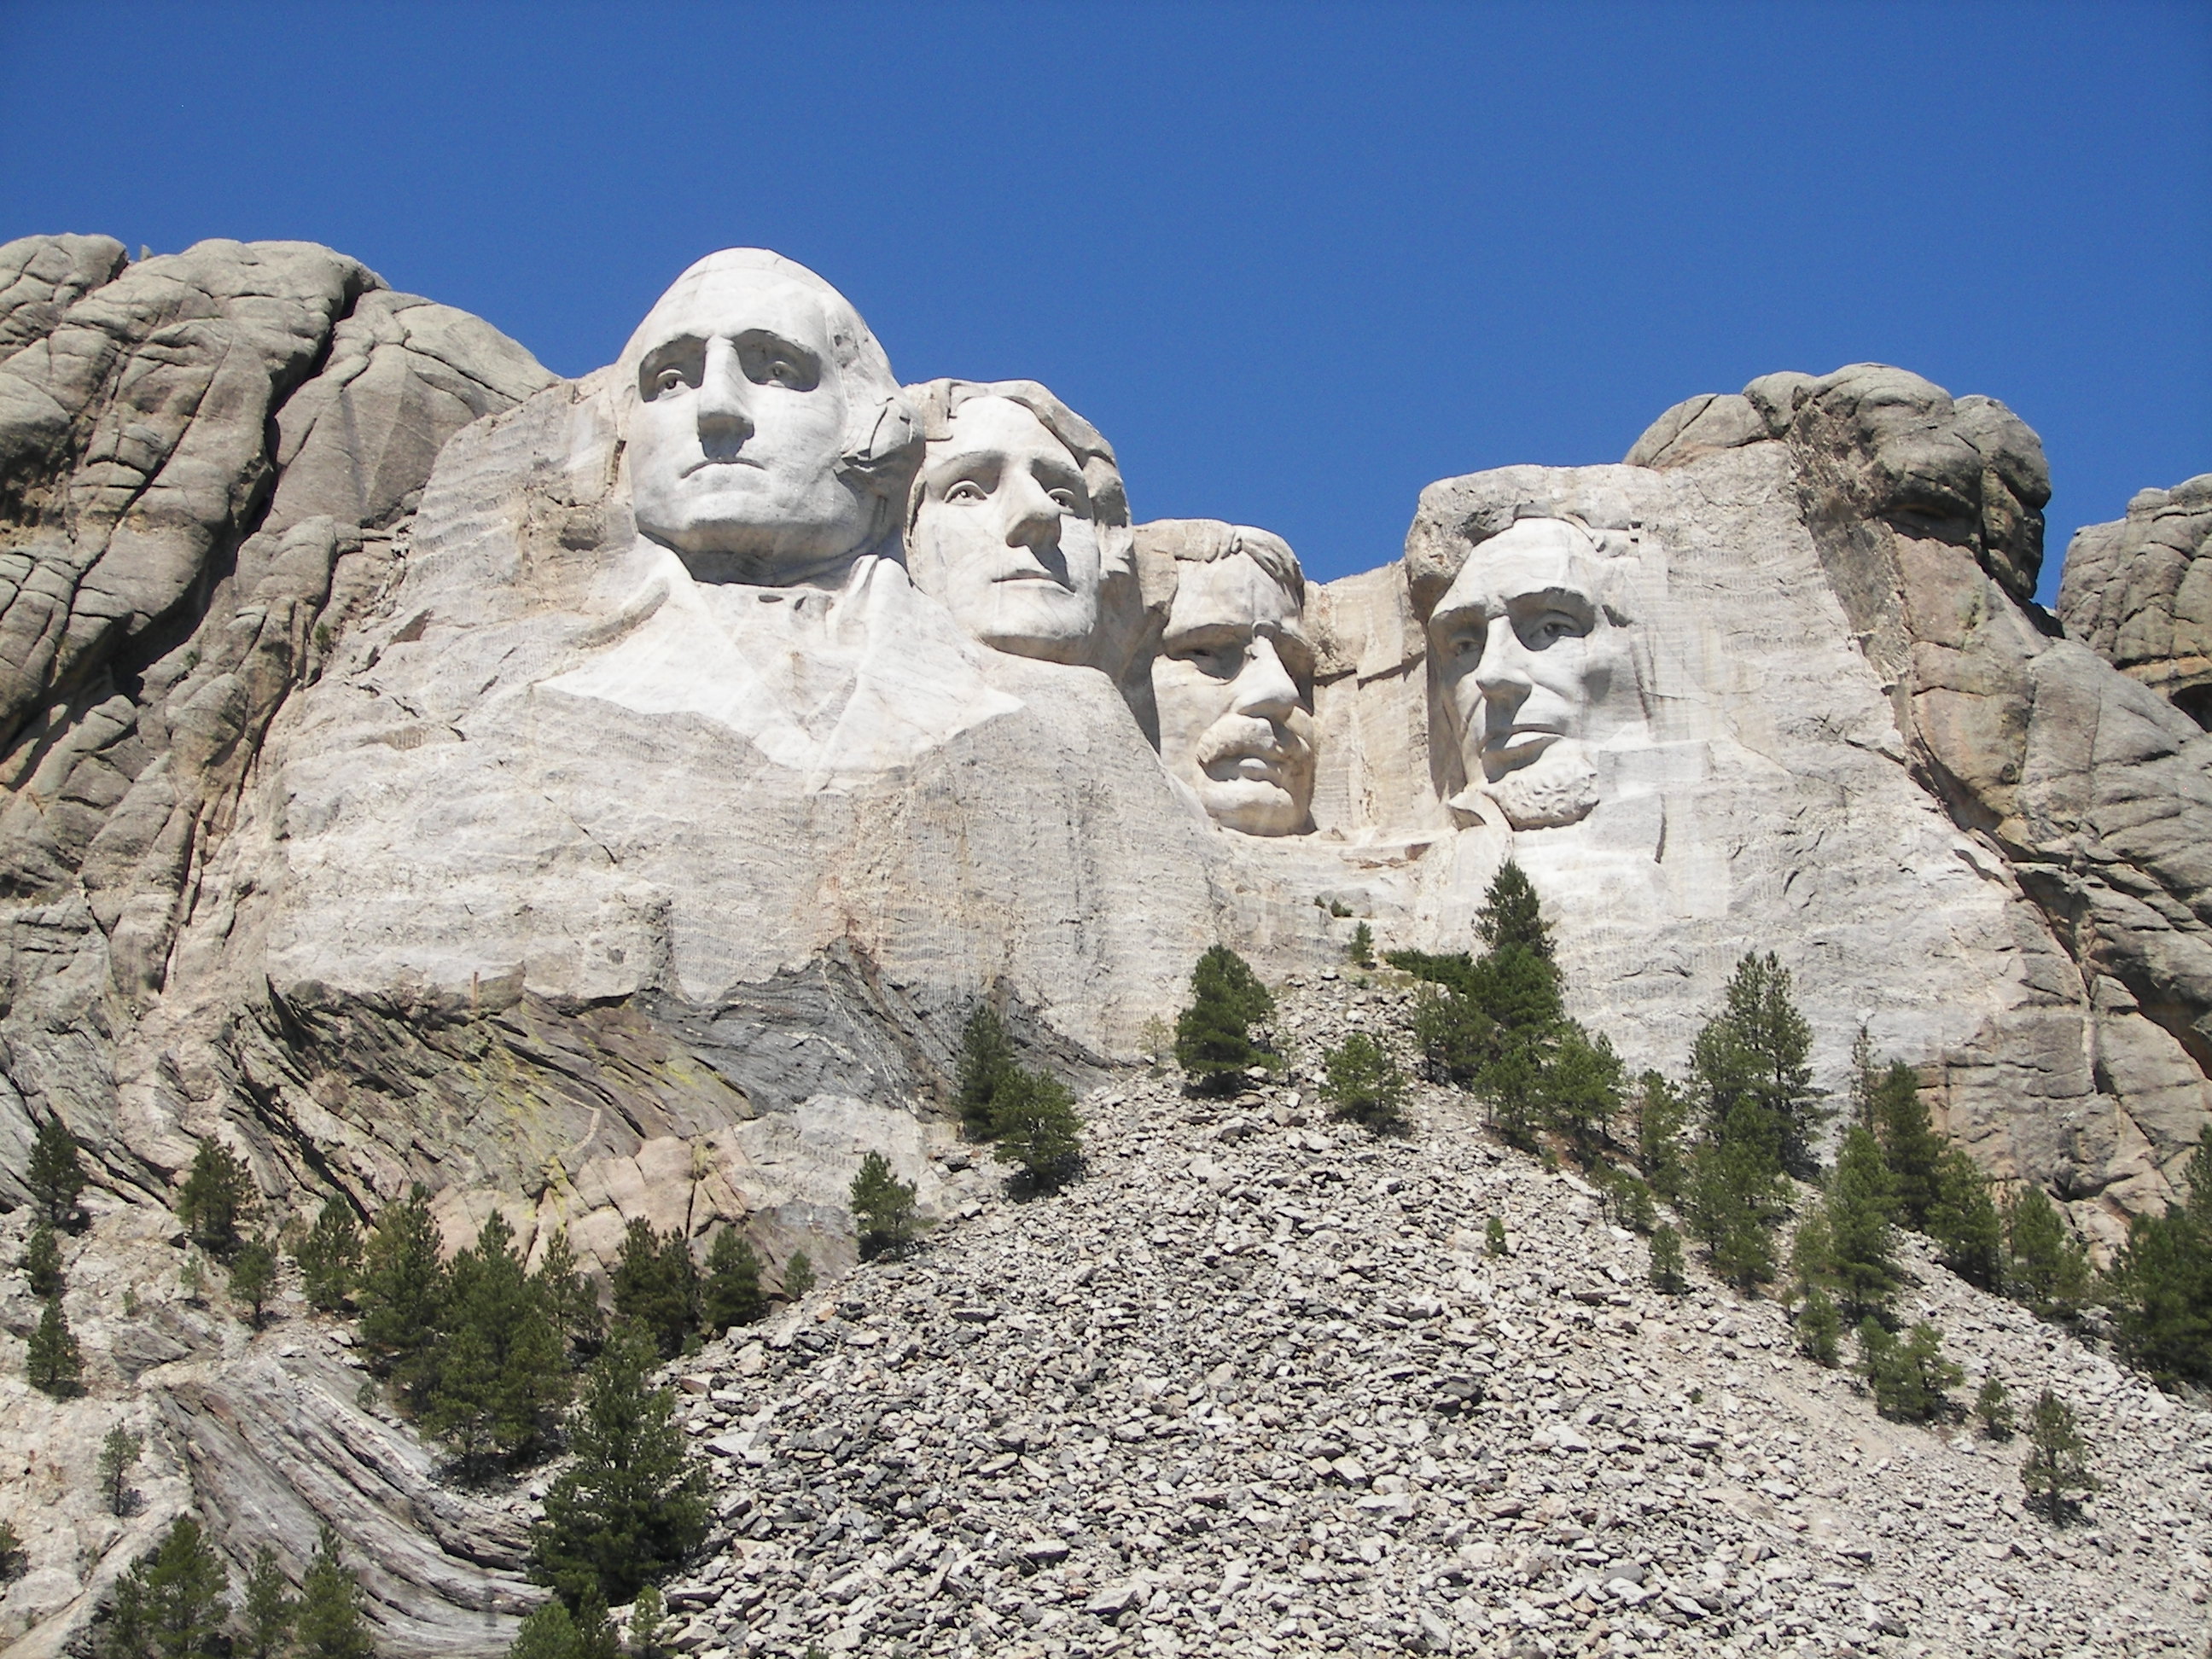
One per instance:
(764,442)
(1015,519)
(1233,682)
(1528,658)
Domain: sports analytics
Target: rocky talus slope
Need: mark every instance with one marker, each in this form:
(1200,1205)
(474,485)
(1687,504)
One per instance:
(1255,1387)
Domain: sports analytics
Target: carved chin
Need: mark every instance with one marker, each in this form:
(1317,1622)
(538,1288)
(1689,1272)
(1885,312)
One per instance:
(1560,786)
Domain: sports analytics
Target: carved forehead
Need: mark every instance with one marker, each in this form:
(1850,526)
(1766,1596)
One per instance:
(997,426)
(1230,593)
(739,289)
(1533,556)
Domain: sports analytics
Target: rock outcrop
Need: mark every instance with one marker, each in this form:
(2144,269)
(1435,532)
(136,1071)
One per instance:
(2138,593)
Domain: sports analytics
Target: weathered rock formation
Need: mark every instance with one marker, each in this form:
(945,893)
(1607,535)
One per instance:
(604,800)
(2139,593)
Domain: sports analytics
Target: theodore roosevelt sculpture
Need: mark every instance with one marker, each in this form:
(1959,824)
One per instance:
(769,455)
(1016,522)
(1529,660)
(1233,678)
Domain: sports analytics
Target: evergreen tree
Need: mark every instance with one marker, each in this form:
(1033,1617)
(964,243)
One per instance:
(1756,1052)
(119,1454)
(55,1174)
(51,1362)
(2160,1286)
(1667,1274)
(732,1295)
(1909,1145)
(1819,1327)
(1993,1407)
(267,1612)
(1362,949)
(1864,1079)
(655,1285)
(798,1277)
(1362,1082)
(1035,1121)
(170,1605)
(649,1624)
(1963,1221)
(1214,1035)
(254,1277)
(1910,1380)
(1582,1088)
(1662,1121)
(569,1299)
(1493,1236)
(633,1505)
(1736,1197)
(402,1294)
(1861,1199)
(2057,1458)
(42,1261)
(882,1209)
(500,1375)
(329,1623)
(1511,915)
(1451,1032)
(218,1197)
(329,1255)
(2049,1269)
(552,1632)
(11,1551)
(987,1060)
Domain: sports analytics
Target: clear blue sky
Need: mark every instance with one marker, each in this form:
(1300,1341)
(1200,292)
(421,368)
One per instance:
(1295,261)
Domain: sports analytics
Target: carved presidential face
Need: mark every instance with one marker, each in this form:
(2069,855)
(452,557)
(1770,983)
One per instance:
(1526,657)
(1003,534)
(1233,683)
(739,426)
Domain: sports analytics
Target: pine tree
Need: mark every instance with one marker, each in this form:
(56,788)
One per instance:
(1861,1199)
(1493,1236)
(2057,1458)
(1993,1407)
(52,1361)
(1510,913)
(402,1294)
(119,1454)
(1363,1083)
(55,1174)
(1964,1223)
(217,1199)
(1864,1079)
(1035,1121)
(1819,1327)
(882,1209)
(329,1254)
(170,1605)
(552,1632)
(254,1277)
(11,1551)
(649,1624)
(1909,1145)
(1214,1035)
(2160,1286)
(1756,1052)
(42,1261)
(1737,1196)
(1582,1088)
(329,1623)
(1910,1380)
(267,1612)
(1362,950)
(732,1295)
(798,1277)
(987,1060)
(655,1285)
(1451,1032)
(632,1505)
(502,1374)
(2049,1269)
(570,1298)
(1667,1274)
(1662,1119)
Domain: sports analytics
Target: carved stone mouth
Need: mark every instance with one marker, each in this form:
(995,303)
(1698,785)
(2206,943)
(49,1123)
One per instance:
(721,460)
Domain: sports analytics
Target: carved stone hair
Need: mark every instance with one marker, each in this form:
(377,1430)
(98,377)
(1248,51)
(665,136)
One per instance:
(936,402)
(1202,541)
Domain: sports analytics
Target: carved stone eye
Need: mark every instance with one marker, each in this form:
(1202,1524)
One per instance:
(966,490)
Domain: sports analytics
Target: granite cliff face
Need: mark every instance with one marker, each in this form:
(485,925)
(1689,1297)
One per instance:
(605,799)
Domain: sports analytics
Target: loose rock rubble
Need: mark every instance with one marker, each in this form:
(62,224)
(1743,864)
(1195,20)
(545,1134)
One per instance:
(1254,1387)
